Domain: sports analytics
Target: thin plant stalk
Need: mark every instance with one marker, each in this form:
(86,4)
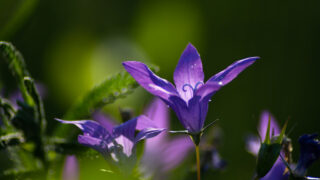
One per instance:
(198,162)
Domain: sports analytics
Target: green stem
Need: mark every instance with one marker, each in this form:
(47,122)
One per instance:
(198,162)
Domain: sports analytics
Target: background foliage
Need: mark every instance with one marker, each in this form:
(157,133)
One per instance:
(70,46)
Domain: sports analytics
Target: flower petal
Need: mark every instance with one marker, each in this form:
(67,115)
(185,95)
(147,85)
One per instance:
(232,71)
(104,121)
(71,168)
(126,129)
(158,112)
(191,115)
(144,122)
(89,128)
(127,145)
(188,71)
(253,144)
(175,152)
(149,81)
(263,125)
(207,90)
(148,133)
(97,144)
(276,172)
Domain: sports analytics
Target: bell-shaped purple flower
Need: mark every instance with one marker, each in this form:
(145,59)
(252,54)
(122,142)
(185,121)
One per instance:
(162,153)
(118,144)
(190,96)
(253,146)
(309,153)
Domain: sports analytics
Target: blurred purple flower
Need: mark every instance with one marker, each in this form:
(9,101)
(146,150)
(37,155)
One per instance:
(309,153)
(253,146)
(162,153)
(71,168)
(118,144)
(212,160)
(190,97)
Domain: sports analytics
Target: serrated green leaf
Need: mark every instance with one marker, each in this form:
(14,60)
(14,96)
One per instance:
(17,66)
(30,115)
(117,86)
(32,90)
(7,112)
(16,161)
(11,139)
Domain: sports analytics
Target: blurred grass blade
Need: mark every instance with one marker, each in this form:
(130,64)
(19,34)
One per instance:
(17,18)
(17,66)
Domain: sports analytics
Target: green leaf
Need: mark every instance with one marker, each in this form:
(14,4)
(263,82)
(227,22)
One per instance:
(7,112)
(11,139)
(117,86)
(17,66)
(16,161)
(32,90)
(30,117)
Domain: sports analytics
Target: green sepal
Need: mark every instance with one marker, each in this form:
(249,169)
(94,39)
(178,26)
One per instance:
(267,156)
(196,138)
(281,136)
(267,139)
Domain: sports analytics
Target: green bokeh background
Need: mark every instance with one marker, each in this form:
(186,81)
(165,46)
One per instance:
(71,45)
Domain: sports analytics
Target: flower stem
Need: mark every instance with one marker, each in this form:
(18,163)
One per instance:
(198,162)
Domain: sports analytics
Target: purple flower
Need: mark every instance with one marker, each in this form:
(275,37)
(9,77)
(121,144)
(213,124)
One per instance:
(162,153)
(190,96)
(253,146)
(309,153)
(71,168)
(118,144)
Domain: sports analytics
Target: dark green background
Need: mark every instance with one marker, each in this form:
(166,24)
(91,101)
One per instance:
(70,45)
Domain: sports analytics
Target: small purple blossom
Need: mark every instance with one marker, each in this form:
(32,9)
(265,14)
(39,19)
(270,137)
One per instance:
(162,153)
(309,153)
(118,144)
(190,96)
(253,146)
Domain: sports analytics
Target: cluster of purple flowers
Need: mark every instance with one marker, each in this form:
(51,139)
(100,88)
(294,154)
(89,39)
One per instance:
(189,99)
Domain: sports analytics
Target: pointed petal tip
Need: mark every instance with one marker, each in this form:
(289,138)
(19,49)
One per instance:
(190,45)
(60,120)
(191,48)
(254,58)
(130,63)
